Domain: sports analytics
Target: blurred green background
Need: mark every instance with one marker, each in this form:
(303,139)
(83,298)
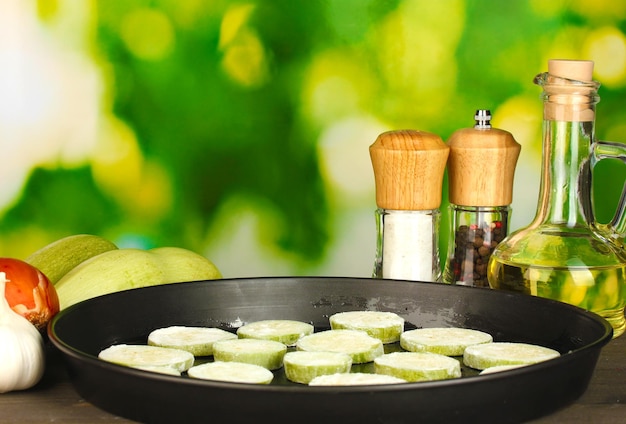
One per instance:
(240,129)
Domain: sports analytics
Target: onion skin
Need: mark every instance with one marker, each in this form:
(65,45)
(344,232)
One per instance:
(29,292)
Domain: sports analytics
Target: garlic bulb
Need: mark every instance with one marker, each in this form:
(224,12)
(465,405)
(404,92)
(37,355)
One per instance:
(22,356)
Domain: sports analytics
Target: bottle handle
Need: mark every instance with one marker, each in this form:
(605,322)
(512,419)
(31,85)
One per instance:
(616,228)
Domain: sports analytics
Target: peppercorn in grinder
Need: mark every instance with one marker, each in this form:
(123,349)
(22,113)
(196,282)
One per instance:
(481,167)
(409,166)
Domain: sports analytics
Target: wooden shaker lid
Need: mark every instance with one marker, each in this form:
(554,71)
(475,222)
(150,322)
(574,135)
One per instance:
(408,169)
(481,167)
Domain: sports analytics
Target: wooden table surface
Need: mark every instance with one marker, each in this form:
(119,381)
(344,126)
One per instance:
(55,400)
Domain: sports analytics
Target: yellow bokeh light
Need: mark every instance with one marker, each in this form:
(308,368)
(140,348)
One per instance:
(148,34)
(548,8)
(607,48)
(120,169)
(189,13)
(522,117)
(417,57)
(153,197)
(565,45)
(245,59)
(599,9)
(332,97)
(117,159)
(337,85)
(351,180)
(233,22)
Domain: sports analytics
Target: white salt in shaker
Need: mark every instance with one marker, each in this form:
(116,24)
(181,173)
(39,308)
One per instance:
(408,170)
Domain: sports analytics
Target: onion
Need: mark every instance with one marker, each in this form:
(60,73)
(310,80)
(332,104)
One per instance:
(29,292)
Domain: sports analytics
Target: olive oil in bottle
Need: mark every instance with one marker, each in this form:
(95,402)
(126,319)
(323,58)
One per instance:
(597,288)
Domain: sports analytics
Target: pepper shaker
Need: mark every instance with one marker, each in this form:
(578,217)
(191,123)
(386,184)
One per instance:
(408,170)
(481,167)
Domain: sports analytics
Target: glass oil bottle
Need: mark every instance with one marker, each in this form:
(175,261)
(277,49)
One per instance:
(409,166)
(481,168)
(564,254)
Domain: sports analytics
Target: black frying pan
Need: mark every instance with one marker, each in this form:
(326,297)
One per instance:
(84,329)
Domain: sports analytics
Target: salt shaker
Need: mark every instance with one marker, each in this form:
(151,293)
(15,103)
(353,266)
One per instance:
(409,166)
(481,167)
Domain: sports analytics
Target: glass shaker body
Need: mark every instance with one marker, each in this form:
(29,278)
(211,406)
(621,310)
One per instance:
(407,245)
(475,231)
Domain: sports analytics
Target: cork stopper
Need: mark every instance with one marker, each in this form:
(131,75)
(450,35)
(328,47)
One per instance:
(577,70)
(570,91)
(481,166)
(408,169)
